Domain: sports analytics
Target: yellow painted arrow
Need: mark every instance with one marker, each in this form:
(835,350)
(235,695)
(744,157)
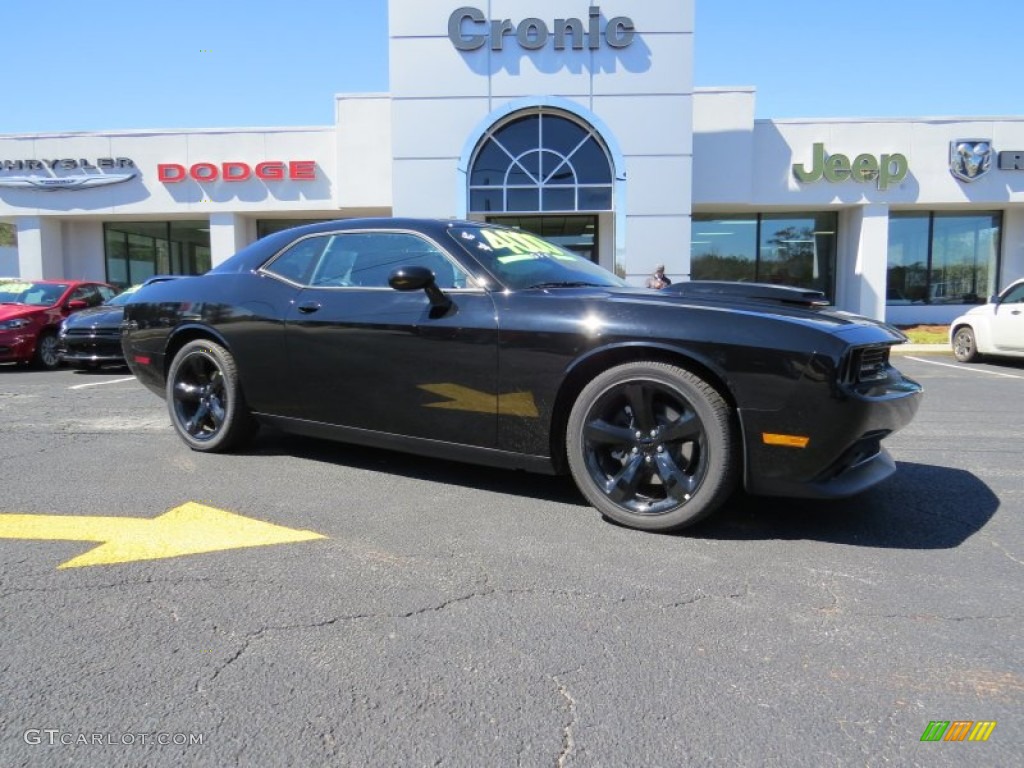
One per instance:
(186,530)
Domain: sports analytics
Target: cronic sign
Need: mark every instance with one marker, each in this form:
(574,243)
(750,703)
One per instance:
(469,29)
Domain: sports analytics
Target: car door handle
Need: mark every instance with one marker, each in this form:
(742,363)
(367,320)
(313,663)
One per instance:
(309,307)
(1015,312)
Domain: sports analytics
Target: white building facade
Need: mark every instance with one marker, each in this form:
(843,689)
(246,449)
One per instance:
(577,121)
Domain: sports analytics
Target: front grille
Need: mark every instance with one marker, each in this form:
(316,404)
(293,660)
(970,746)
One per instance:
(91,333)
(867,364)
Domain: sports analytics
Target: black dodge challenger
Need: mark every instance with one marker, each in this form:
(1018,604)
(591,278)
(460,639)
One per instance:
(486,344)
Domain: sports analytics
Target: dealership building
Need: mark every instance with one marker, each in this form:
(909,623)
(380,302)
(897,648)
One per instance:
(579,122)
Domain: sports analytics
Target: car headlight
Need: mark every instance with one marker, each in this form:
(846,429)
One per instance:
(13,325)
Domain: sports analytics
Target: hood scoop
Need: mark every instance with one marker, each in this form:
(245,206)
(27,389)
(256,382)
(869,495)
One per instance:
(762,293)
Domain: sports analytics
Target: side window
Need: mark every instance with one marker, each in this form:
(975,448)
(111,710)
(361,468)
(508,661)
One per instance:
(86,293)
(335,266)
(370,258)
(106,294)
(1016,296)
(296,263)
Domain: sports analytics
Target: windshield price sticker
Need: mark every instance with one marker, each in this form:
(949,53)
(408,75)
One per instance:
(519,246)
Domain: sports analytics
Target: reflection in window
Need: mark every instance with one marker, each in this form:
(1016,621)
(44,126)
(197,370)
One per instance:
(362,260)
(942,258)
(266,227)
(137,250)
(723,248)
(542,161)
(797,249)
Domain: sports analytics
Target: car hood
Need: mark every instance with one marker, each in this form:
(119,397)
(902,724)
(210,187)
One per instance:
(96,317)
(823,318)
(13,311)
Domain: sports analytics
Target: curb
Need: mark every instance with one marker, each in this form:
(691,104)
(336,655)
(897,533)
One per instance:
(921,349)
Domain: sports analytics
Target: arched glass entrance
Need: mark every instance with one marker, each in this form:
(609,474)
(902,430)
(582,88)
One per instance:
(540,162)
(546,172)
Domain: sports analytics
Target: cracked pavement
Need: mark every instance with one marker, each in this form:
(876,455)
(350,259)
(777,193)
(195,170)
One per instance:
(465,616)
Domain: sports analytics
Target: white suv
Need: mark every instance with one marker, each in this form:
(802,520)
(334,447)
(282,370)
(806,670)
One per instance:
(996,328)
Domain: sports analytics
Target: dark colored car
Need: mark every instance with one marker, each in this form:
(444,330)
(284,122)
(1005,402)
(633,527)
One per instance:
(31,311)
(92,337)
(475,342)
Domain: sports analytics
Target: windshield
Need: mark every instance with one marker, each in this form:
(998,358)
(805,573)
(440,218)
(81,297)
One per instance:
(521,260)
(123,296)
(34,294)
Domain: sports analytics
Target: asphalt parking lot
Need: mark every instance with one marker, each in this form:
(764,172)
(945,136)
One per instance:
(431,613)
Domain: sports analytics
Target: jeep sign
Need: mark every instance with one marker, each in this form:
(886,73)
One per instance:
(886,170)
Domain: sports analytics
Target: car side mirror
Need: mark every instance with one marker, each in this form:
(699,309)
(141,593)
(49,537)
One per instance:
(993,299)
(416,278)
(76,304)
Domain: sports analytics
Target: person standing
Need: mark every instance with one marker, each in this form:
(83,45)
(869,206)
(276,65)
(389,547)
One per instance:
(659,279)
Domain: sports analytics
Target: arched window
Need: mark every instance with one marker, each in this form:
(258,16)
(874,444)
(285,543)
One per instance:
(540,162)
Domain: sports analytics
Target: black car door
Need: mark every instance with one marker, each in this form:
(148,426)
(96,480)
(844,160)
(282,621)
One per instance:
(367,356)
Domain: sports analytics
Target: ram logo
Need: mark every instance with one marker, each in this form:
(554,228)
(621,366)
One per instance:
(970,159)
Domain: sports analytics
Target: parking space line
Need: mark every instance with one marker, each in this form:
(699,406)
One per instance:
(966,368)
(101,383)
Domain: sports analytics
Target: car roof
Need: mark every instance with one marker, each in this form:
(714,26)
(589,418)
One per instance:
(256,253)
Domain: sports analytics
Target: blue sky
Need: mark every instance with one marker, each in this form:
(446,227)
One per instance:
(107,64)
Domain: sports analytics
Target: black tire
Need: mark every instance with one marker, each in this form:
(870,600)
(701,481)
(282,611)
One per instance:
(46,356)
(204,398)
(965,345)
(653,446)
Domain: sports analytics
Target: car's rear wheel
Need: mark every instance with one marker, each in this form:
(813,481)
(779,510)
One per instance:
(653,446)
(204,398)
(965,346)
(46,352)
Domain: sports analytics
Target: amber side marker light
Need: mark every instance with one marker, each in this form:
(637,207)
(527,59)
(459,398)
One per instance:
(787,441)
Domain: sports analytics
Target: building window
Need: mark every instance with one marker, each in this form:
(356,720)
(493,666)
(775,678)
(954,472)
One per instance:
(797,249)
(266,227)
(540,162)
(137,250)
(942,258)
(578,234)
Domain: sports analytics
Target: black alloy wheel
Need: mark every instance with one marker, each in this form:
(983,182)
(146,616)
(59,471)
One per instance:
(653,446)
(205,400)
(46,352)
(965,346)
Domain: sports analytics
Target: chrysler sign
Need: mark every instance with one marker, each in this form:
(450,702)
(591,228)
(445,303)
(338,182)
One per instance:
(42,174)
(469,30)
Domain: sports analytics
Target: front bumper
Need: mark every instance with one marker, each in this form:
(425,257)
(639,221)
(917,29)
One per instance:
(843,455)
(91,348)
(16,347)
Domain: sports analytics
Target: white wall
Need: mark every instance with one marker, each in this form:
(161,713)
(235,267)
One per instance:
(363,178)
(83,250)
(1013,246)
(723,146)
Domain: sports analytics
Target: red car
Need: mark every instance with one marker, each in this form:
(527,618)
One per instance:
(31,312)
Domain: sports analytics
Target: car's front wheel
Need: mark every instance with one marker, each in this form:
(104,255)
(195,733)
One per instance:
(653,446)
(46,356)
(204,398)
(965,345)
